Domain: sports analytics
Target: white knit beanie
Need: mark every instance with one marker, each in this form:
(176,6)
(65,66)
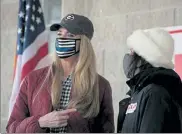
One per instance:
(155,45)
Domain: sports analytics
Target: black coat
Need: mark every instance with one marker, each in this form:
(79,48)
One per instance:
(151,106)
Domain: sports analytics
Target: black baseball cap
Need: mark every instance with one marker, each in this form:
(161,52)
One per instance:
(75,24)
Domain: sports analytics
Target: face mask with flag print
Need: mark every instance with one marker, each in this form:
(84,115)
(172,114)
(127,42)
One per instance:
(66,47)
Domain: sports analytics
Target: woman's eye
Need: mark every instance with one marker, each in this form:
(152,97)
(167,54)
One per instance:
(58,33)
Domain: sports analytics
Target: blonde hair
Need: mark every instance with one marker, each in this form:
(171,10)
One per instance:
(85,94)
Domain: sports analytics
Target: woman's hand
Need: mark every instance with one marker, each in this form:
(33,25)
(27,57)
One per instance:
(55,119)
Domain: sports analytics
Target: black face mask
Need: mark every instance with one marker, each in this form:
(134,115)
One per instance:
(131,65)
(127,65)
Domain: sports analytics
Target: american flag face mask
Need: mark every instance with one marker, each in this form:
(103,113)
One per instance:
(66,47)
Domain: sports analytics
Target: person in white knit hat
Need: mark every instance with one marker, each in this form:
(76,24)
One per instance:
(155,89)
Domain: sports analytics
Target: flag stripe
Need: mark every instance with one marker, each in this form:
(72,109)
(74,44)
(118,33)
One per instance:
(31,64)
(66,43)
(31,50)
(63,55)
(65,46)
(178,64)
(65,52)
(45,61)
(175,31)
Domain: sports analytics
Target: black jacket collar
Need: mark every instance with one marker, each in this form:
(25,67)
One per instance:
(167,78)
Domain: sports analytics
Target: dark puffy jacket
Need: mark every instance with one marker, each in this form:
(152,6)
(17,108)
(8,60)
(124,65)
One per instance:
(152,107)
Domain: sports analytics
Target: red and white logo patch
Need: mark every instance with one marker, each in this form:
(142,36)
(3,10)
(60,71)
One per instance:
(131,108)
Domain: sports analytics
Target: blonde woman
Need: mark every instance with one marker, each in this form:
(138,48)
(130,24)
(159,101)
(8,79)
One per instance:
(68,96)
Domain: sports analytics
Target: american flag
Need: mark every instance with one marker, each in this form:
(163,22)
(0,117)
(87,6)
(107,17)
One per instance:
(32,44)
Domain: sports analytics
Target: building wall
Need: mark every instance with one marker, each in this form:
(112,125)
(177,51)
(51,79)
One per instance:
(9,11)
(113,20)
